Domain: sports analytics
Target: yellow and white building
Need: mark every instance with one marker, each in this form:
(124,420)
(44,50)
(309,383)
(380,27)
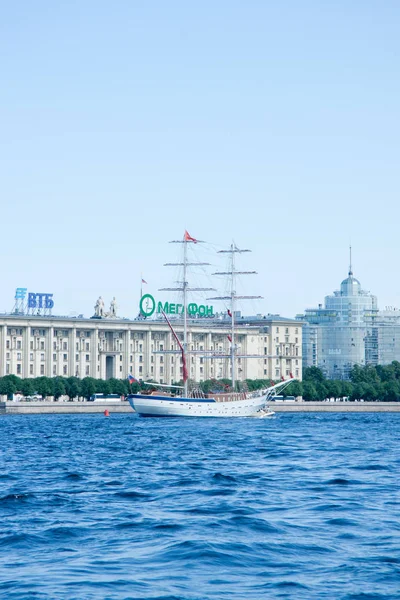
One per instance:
(34,346)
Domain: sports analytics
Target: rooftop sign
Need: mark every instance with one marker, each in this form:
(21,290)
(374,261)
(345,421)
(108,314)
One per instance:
(148,306)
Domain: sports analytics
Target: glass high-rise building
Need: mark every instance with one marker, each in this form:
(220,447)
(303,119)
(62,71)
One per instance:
(344,332)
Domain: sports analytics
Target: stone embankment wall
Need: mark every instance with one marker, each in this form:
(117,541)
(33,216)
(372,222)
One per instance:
(19,408)
(29,408)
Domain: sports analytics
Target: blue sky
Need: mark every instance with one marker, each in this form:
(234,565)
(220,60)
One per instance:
(273,124)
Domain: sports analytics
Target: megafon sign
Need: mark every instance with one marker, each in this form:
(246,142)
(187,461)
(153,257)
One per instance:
(148,306)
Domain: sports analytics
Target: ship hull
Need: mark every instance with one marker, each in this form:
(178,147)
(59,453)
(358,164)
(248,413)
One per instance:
(162,406)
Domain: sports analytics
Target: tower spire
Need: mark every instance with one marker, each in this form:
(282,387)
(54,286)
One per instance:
(350,267)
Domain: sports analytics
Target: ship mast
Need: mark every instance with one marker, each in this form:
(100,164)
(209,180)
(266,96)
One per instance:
(232,298)
(184,288)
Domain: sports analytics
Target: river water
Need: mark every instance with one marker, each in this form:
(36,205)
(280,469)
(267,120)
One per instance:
(302,506)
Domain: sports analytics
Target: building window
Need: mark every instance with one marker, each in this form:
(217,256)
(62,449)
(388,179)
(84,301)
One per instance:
(42,345)
(265,371)
(19,369)
(276,372)
(152,370)
(297,372)
(296,330)
(30,369)
(31,356)
(120,369)
(87,357)
(65,356)
(277,330)
(131,358)
(31,346)
(42,369)
(277,350)
(87,346)
(120,358)
(8,344)
(287,372)
(201,369)
(54,345)
(64,369)
(140,358)
(8,356)
(42,356)
(77,357)
(87,370)
(65,345)
(77,345)
(265,351)
(141,370)
(161,369)
(297,351)
(18,345)
(18,355)
(161,359)
(54,369)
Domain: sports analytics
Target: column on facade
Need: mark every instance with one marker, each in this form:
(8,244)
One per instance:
(71,351)
(26,350)
(146,354)
(48,350)
(94,353)
(3,336)
(126,340)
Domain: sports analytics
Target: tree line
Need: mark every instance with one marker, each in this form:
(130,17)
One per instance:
(366,383)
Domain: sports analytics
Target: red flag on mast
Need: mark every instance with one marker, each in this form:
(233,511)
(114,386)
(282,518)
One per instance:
(188,238)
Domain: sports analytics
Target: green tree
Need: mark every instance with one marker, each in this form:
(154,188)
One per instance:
(88,387)
(358,391)
(313,374)
(309,391)
(370,393)
(7,387)
(44,386)
(333,388)
(295,389)
(346,389)
(117,386)
(27,387)
(391,391)
(322,391)
(59,388)
(73,387)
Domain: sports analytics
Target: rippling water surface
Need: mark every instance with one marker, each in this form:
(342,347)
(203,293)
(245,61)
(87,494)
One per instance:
(299,506)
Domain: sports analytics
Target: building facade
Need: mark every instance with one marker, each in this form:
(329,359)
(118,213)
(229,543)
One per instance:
(349,330)
(36,346)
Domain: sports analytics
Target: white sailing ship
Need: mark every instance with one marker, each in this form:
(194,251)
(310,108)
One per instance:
(194,403)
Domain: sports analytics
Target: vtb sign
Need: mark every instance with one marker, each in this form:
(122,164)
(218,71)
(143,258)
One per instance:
(40,300)
(148,306)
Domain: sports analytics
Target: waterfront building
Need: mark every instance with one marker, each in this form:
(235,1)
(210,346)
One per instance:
(349,330)
(104,347)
